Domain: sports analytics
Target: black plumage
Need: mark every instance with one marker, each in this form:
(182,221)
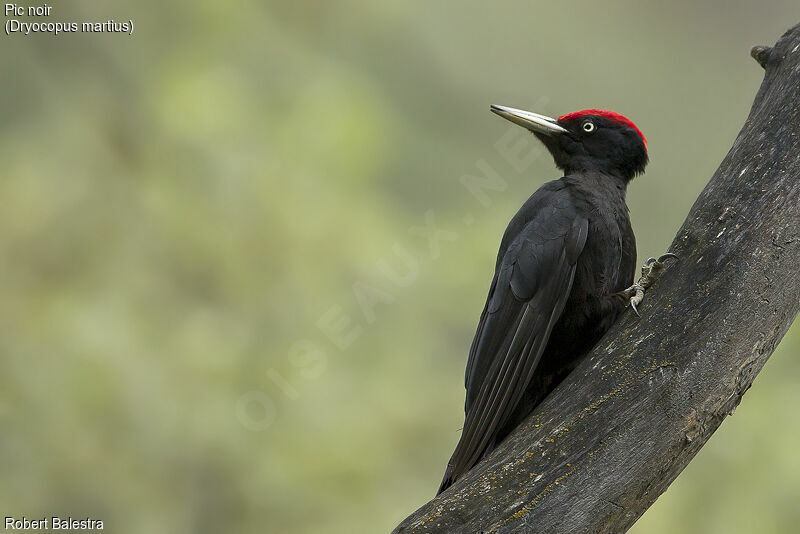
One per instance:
(564,274)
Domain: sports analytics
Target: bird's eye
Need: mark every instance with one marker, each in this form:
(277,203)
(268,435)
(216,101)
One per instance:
(588,127)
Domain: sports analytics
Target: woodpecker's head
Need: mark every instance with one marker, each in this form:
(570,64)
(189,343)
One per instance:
(592,139)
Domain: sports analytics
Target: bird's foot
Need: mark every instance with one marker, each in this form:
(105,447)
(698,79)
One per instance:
(651,271)
(635,296)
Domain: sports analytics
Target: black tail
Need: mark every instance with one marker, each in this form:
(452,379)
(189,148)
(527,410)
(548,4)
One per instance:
(448,479)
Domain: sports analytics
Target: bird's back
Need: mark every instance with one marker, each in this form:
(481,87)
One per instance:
(569,244)
(606,265)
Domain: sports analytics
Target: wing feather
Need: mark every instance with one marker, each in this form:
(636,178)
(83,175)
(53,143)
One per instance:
(527,296)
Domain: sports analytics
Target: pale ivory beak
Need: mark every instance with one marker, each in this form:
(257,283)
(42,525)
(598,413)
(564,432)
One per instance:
(532,121)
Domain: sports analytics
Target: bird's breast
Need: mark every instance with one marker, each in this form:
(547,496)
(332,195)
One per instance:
(601,262)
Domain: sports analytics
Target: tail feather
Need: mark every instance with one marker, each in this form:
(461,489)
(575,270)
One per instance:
(448,478)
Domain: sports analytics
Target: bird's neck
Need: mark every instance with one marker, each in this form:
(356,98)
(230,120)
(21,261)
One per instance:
(606,184)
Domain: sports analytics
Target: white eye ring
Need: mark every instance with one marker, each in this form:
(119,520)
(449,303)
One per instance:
(588,127)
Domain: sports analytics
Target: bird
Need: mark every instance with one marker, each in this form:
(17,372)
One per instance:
(564,274)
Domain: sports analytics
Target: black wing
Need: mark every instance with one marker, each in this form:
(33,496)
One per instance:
(530,288)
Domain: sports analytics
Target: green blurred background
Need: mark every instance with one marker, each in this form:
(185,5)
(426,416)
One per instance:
(190,211)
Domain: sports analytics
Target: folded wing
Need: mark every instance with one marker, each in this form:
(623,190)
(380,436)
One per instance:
(530,288)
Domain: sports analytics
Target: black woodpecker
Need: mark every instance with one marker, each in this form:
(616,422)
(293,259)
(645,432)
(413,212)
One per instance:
(564,274)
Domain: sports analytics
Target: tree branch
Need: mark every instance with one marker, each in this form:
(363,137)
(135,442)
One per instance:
(610,439)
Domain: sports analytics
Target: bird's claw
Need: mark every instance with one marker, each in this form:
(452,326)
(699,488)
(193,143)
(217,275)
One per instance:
(651,270)
(637,295)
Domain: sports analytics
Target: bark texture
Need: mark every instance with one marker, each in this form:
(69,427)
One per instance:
(611,438)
